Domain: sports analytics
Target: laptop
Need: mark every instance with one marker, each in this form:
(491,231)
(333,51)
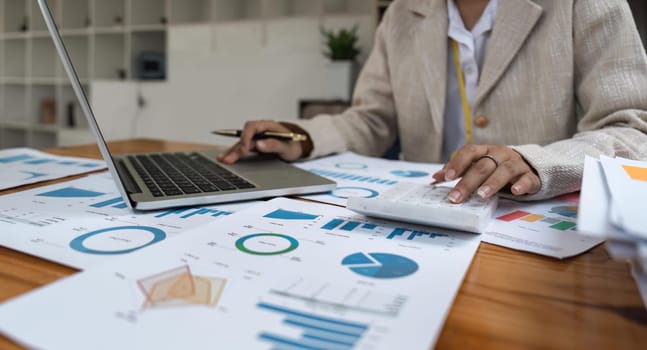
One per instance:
(151,181)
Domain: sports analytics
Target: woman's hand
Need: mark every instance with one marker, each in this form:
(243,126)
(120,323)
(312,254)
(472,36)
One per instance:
(486,169)
(286,150)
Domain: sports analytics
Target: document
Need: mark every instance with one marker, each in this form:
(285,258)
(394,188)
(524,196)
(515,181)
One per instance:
(365,177)
(596,217)
(627,185)
(83,222)
(23,166)
(546,227)
(280,274)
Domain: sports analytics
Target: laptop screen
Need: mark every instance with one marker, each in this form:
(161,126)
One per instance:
(74,46)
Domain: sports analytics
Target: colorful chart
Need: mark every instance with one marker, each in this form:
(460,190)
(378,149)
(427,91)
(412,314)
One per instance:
(71,192)
(569,211)
(266,244)
(114,239)
(316,332)
(556,224)
(179,287)
(347,192)
(283,214)
(410,173)
(380,265)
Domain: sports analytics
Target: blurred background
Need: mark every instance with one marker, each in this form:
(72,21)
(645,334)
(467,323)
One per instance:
(177,69)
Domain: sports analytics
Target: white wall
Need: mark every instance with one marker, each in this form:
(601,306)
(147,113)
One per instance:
(220,76)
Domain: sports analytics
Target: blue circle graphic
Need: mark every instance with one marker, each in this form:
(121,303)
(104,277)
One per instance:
(380,265)
(410,173)
(77,243)
(369,192)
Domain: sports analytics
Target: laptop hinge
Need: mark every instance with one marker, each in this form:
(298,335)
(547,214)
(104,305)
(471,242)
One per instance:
(126,178)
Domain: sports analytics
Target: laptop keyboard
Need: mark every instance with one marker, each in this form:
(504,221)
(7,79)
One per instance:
(174,174)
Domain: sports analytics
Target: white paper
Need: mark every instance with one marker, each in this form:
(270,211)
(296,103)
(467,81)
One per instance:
(22,166)
(83,222)
(367,177)
(284,264)
(594,210)
(546,227)
(627,183)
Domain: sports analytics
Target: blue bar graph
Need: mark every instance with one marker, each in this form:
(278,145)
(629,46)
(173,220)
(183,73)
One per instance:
(349,226)
(352,177)
(332,224)
(318,332)
(121,206)
(67,162)
(71,192)
(396,233)
(186,213)
(107,202)
(39,161)
(290,215)
(17,158)
(172,212)
(89,165)
(200,211)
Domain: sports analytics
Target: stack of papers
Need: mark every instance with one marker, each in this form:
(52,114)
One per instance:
(613,195)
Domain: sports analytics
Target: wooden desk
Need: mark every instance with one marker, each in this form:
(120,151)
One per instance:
(508,299)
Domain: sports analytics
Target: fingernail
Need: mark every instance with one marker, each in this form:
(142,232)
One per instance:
(484,191)
(516,189)
(260,144)
(450,175)
(454,196)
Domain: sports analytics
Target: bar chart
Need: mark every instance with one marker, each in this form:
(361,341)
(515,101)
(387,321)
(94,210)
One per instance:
(331,296)
(283,214)
(352,177)
(186,213)
(317,332)
(391,233)
(554,223)
(71,192)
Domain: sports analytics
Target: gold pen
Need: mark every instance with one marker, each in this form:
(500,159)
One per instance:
(283,136)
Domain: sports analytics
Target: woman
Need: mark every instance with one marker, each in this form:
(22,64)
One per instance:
(510,93)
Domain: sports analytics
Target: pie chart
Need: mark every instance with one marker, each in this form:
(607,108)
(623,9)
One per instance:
(569,211)
(409,173)
(380,265)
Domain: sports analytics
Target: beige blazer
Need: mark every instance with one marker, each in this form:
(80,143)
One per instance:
(561,79)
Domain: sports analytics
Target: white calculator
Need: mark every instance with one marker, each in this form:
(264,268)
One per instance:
(427,205)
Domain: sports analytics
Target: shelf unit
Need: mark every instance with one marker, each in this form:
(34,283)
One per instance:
(106,40)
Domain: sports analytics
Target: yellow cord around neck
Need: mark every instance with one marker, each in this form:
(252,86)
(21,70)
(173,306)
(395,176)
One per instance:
(467,112)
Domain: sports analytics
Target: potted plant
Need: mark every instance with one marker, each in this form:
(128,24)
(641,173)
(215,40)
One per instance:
(341,47)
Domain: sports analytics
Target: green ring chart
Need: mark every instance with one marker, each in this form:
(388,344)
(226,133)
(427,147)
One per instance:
(240,243)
